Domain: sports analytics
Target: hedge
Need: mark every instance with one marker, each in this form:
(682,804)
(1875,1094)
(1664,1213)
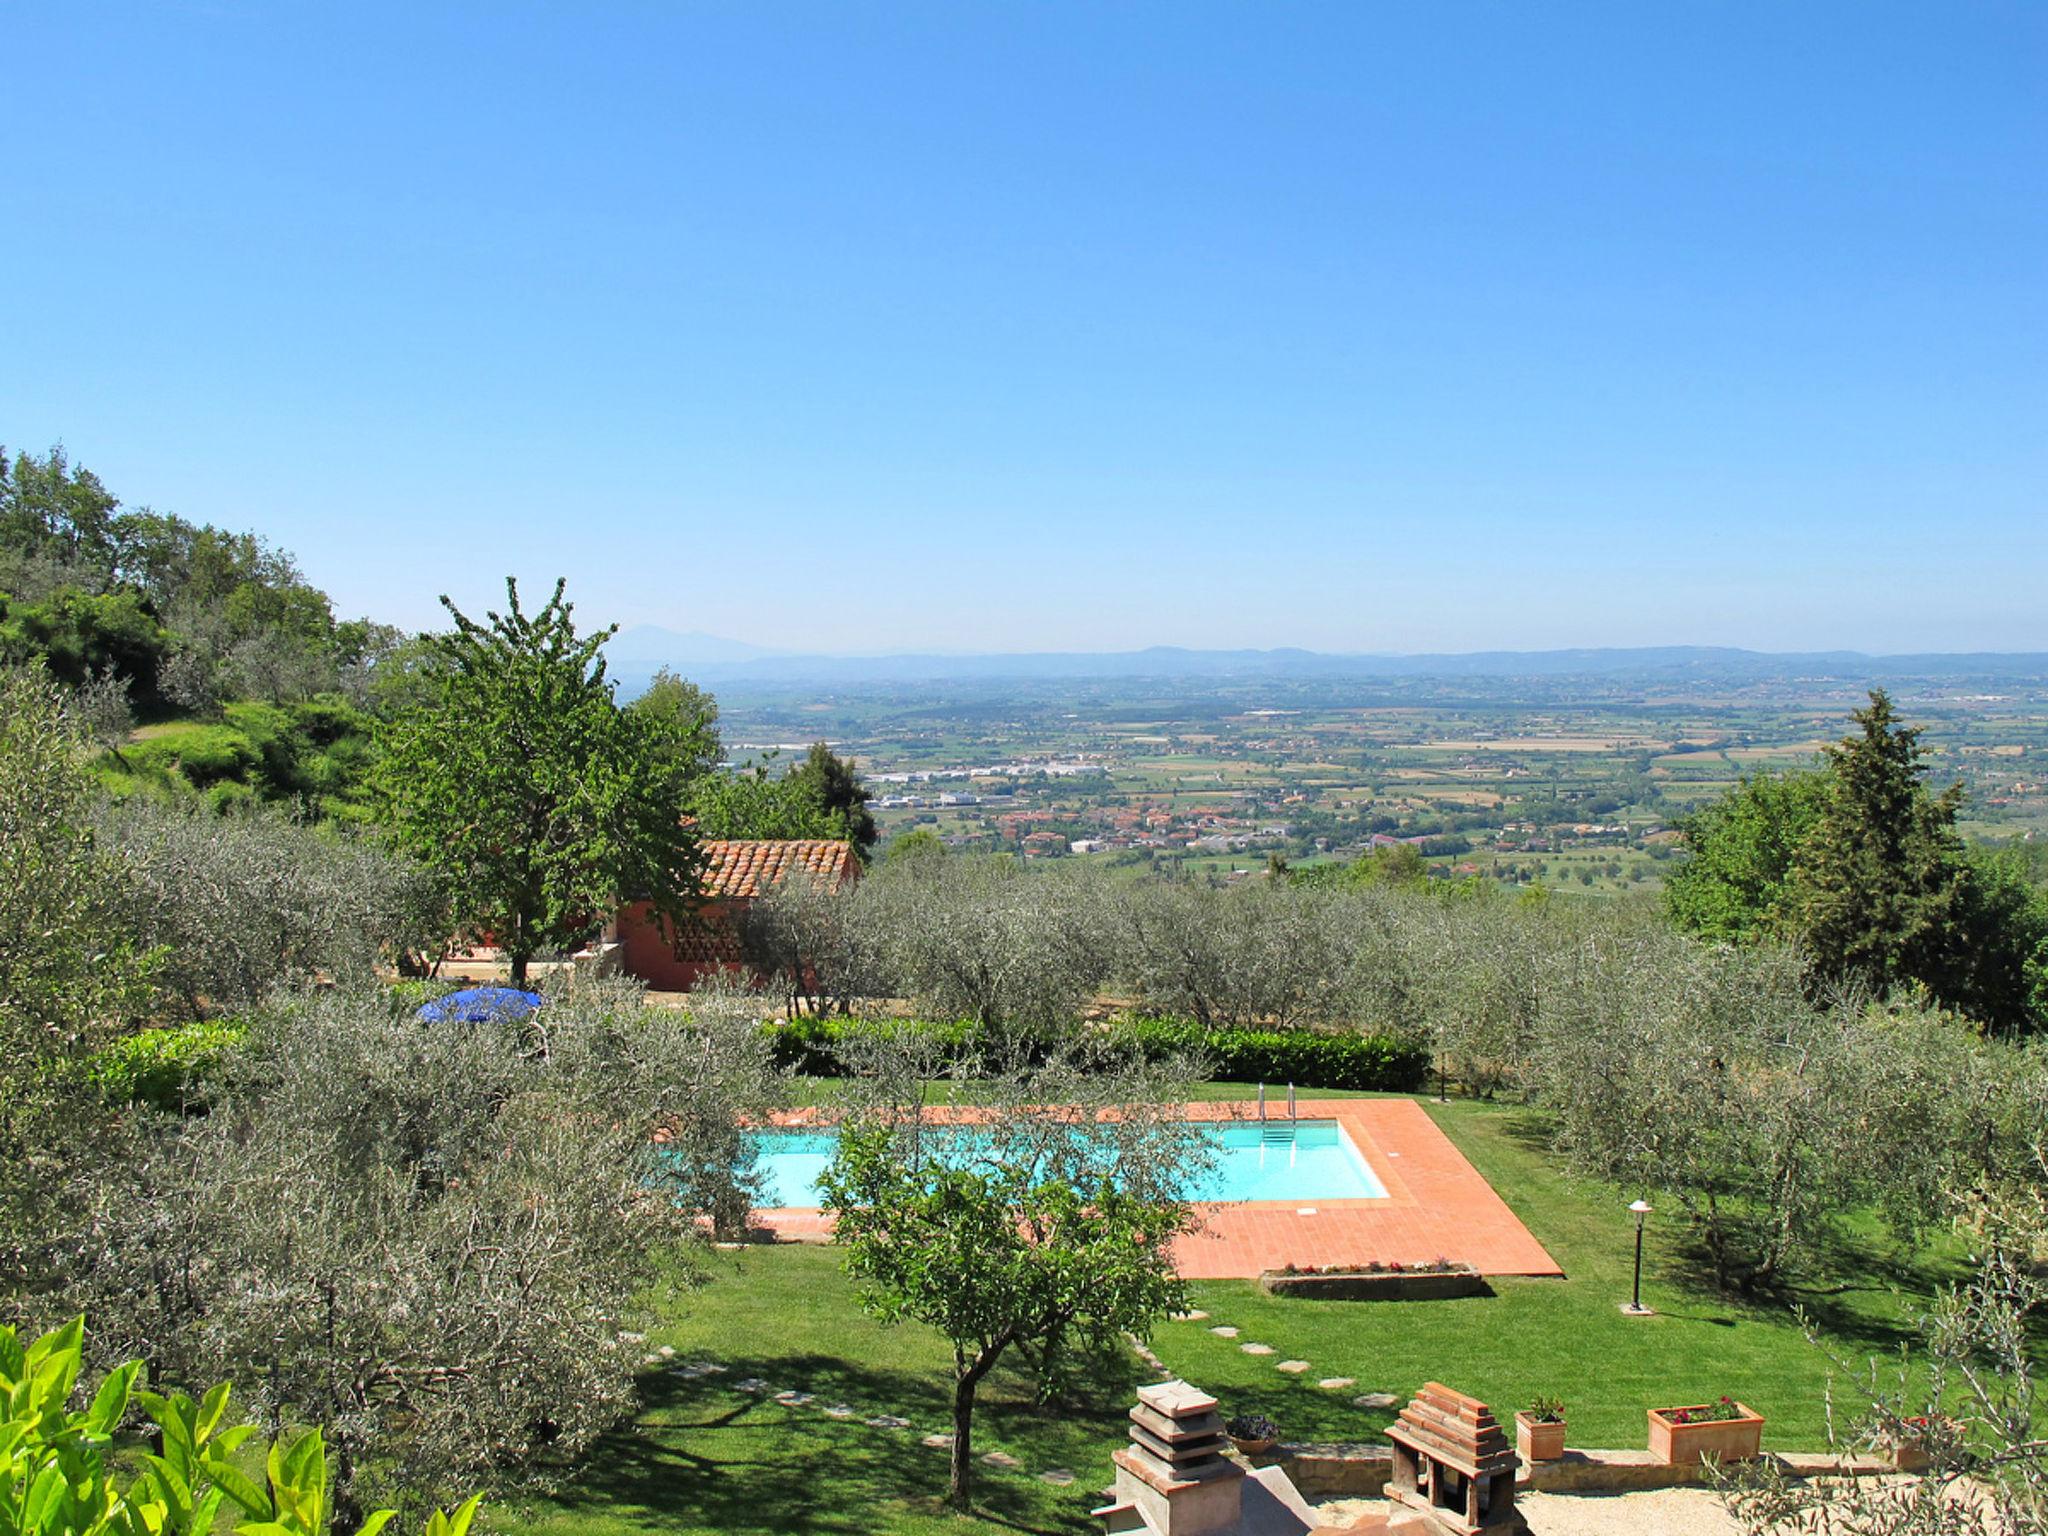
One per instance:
(1307,1058)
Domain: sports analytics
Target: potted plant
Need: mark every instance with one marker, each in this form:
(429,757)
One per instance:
(1539,1430)
(1723,1430)
(1252,1433)
(1912,1442)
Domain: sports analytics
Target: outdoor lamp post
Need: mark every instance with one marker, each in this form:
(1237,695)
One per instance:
(1635,1307)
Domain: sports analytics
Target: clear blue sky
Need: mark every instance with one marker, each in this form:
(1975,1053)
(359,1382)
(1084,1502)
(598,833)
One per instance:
(1061,326)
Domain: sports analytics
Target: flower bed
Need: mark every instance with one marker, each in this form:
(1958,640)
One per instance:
(1719,1431)
(1435,1281)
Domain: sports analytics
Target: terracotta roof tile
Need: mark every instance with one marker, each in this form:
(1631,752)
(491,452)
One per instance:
(748,866)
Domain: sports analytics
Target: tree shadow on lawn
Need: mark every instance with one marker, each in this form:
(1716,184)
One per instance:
(703,1454)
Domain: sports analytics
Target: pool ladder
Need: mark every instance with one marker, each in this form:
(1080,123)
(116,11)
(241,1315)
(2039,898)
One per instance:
(1272,1131)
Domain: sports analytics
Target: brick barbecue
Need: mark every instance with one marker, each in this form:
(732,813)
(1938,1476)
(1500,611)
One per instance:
(1454,1471)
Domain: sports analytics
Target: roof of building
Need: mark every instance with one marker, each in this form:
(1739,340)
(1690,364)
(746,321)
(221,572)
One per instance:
(749,866)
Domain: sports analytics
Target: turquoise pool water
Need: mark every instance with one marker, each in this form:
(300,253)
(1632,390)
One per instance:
(1309,1160)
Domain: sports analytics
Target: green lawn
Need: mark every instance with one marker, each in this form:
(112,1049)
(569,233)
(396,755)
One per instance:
(703,1456)
(1566,1337)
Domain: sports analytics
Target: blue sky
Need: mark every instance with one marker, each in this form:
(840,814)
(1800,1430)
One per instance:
(1064,326)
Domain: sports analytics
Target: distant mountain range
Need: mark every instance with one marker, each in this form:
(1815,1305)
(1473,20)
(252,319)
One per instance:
(707,657)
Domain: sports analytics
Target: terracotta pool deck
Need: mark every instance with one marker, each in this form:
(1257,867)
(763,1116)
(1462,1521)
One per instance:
(1436,1205)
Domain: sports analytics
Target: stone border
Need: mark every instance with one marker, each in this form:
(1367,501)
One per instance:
(1328,1471)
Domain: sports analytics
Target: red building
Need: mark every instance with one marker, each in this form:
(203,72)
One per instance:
(673,957)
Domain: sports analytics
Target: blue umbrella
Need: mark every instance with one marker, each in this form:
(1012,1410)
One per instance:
(480,1005)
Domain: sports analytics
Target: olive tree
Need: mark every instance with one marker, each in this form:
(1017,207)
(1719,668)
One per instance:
(1969,1395)
(1263,952)
(434,1239)
(984,939)
(1044,1226)
(238,905)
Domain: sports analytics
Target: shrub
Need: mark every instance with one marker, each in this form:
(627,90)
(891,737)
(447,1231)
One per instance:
(57,1473)
(164,1067)
(819,1047)
(204,754)
(1308,1058)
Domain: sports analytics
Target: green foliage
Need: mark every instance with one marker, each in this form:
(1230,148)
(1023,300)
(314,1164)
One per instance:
(70,969)
(753,803)
(1037,1244)
(917,843)
(834,783)
(431,1242)
(314,754)
(543,803)
(1308,1058)
(1861,863)
(1735,885)
(186,615)
(55,511)
(684,719)
(1389,864)
(1879,887)
(199,755)
(79,635)
(818,797)
(164,1067)
(55,1477)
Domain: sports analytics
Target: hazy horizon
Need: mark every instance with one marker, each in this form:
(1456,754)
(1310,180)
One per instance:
(938,329)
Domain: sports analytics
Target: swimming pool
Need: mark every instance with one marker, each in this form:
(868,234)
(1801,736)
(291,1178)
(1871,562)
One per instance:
(1274,1160)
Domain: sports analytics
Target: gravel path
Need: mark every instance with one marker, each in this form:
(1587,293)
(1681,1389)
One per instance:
(1667,1512)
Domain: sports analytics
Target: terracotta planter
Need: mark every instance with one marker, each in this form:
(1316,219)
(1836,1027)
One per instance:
(1682,1445)
(1252,1447)
(1908,1453)
(1539,1439)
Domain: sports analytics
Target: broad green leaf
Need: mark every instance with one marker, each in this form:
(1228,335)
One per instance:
(240,1487)
(210,1411)
(111,1401)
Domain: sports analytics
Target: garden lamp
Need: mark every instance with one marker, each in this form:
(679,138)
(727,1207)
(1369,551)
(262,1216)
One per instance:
(1639,1209)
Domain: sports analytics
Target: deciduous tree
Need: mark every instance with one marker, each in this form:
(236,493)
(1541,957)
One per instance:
(1045,1228)
(543,803)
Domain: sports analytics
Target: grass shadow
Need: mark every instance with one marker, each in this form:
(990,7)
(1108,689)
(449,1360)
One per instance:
(701,1454)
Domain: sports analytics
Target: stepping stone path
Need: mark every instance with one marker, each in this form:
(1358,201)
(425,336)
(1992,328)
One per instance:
(1190,1317)
(1292,1367)
(1256,1349)
(1002,1461)
(1375,1400)
(1337,1383)
(667,1351)
(839,1411)
(751,1384)
(887,1421)
(1059,1477)
(938,1442)
(1225,1332)
(794,1399)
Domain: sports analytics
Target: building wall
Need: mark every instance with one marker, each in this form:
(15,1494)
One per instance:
(710,944)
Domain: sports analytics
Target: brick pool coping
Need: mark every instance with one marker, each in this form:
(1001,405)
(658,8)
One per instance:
(1437,1205)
